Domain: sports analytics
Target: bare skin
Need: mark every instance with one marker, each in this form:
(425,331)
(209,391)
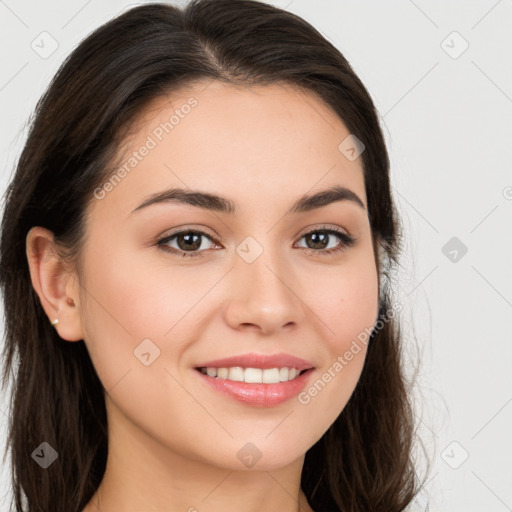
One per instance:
(173,440)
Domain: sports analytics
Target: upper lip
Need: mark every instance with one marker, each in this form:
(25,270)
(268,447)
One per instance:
(261,361)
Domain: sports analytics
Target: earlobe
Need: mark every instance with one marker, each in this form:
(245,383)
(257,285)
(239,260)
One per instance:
(54,284)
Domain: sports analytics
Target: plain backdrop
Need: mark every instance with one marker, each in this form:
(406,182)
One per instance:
(440,74)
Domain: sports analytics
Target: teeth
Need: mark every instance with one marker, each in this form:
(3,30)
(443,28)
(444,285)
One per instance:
(222,373)
(236,373)
(271,376)
(253,375)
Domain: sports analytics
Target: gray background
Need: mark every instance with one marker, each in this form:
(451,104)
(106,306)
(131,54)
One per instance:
(447,116)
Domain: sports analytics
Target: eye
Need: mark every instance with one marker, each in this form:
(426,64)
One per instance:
(190,244)
(320,237)
(188,240)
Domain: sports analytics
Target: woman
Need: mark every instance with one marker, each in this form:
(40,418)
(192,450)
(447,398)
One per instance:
(196,248)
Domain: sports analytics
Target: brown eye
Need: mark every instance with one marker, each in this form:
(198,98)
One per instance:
(319,240)
(188,242)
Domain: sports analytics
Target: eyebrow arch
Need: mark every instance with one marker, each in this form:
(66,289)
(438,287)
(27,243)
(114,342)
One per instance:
(223,205)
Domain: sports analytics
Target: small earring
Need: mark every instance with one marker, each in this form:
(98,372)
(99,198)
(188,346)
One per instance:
(55,322)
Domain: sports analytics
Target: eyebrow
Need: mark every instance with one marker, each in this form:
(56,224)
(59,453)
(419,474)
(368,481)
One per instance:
(221,204)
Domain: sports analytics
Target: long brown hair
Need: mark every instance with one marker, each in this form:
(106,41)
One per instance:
(363,462)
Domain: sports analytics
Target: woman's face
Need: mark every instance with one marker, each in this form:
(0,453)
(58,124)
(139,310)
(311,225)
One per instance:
(260,281)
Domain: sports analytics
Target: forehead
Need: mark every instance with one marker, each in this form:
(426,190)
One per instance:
(272,139)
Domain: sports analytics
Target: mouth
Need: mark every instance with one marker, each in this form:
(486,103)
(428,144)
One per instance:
(256,379)
(253,375)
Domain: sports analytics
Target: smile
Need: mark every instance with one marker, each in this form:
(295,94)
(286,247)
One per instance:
(253,375)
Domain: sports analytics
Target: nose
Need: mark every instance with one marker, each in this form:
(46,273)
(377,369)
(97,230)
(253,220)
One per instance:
(264,296)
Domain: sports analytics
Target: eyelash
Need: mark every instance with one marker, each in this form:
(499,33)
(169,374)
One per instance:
(346,241)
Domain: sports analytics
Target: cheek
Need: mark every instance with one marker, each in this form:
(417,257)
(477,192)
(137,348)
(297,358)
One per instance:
(119,312)
(346,302)
(129,299)
(135,296)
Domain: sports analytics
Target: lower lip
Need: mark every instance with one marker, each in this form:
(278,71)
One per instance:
(260,395)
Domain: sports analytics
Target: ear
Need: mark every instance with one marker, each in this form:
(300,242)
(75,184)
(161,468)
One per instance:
(57,288)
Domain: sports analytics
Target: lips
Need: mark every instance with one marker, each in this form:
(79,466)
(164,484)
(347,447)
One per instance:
(261,361)
(255,392)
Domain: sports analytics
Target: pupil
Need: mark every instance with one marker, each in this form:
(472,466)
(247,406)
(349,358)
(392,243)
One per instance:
(316,236)
(191,241)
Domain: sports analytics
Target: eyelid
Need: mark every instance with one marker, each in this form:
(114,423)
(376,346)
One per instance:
(202,229)
(324,227)
(186,228)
